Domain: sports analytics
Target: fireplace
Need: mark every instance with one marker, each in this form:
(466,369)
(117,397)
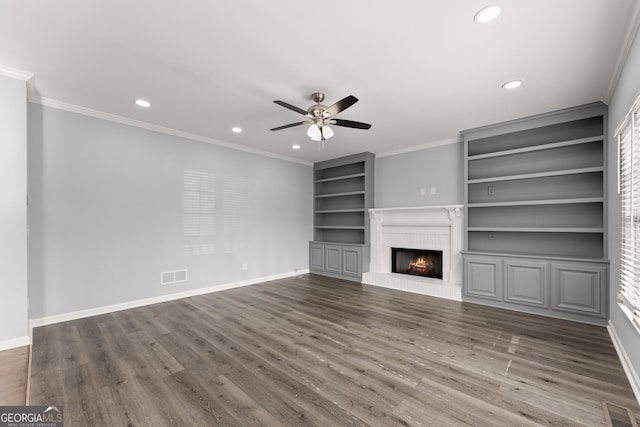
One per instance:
(438,228)
(417,262)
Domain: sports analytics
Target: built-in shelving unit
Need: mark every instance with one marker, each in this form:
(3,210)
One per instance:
(535,188)
(343,192)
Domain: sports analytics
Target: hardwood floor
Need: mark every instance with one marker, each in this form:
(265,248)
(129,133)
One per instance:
(315,351)
(13,376)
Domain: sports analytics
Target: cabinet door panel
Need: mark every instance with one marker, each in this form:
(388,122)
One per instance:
(332,258)
(579,288)
(483,278)
(526,282)
(316,257)
(352,261)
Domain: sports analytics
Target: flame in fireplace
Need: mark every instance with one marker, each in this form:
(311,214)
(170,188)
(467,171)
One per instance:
(419,265)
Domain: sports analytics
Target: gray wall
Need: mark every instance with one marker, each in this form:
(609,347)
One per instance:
(13,211)
(113,206)
(400,178)
(627,89)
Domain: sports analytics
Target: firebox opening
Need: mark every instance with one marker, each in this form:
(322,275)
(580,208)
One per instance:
(417,262)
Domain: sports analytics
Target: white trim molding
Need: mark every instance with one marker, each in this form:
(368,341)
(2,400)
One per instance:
(15,74)
(14,343)
(52,103)
(625,360)
(634,20)
(49,320)
(432,144)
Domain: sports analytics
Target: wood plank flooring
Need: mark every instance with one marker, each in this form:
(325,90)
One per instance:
(13,376)
(315,351)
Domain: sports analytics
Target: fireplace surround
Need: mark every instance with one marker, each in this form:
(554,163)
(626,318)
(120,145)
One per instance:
(438,228)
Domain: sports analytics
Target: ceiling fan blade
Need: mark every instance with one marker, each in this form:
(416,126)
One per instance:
(291,107)
(350,124)
(289,125)
(341,105)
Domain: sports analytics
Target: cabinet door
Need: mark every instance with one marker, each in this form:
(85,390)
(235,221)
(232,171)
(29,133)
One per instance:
(316,256)
(526,282)
(352,261)
(483,277)
(332,259)
(579,288)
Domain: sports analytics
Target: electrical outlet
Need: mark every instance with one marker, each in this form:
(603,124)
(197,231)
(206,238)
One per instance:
(423,191)
(490,235)
(433,191)
(245,266)
(491,190)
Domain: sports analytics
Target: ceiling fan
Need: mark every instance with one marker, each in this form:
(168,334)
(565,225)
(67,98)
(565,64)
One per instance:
(321,116)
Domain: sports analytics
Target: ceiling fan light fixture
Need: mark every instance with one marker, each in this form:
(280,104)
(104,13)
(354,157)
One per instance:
(314,132)
(487,14)
(327,132)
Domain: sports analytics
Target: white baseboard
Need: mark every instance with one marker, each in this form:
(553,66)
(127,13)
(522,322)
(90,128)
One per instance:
(49,320)
(14,343)
(632,375)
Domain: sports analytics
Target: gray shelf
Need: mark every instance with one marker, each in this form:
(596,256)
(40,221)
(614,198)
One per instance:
(343,193)
(537,147)
(535,219)
(560,159)
(583,246)
(538,202)
(329,211)
(530,256)
(339,178)
(348,193)
(341,227)
(538,229)
(558,187)
(539,130)
(538,175)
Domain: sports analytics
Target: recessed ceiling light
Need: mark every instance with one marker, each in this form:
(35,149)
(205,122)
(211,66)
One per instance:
(512,84)
(487,14)
(236,130)
(143,103)
(295,146)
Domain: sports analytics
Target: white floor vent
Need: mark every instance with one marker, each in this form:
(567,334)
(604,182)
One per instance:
(175,276)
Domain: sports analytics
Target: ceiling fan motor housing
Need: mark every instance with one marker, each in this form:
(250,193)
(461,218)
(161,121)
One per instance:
(316,111)
(317,97)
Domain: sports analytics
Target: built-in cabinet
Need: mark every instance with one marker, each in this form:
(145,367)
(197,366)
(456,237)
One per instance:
(344,260)
(535,215)
(343,193)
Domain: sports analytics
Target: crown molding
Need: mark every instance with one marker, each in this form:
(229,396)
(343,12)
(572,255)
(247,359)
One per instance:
(15,73)
(632,31)
(425,146)
(48,102)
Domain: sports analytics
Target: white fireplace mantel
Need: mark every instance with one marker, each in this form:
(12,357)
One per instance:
(424,227)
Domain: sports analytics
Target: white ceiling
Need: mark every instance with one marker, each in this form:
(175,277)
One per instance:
(422,69)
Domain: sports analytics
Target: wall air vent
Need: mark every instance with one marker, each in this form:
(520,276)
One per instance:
(175,276)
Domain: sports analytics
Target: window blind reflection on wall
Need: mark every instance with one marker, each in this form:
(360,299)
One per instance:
(199,206)
(236,203)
